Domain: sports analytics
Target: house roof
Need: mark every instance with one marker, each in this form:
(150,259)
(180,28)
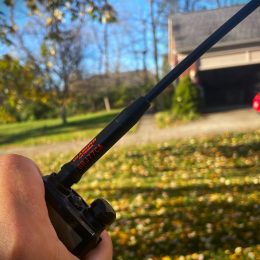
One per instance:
(190,29)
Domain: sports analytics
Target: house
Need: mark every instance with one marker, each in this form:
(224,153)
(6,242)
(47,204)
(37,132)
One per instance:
(107,82)
(229,72)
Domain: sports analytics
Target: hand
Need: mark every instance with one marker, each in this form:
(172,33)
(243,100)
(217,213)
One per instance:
(25,228)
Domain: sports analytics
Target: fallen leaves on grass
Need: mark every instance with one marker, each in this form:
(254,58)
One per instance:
(195,199)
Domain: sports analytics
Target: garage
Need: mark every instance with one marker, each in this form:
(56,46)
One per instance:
(233,86)
(229,73)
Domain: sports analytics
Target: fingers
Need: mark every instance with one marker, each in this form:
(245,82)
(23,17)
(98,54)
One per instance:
(104,250)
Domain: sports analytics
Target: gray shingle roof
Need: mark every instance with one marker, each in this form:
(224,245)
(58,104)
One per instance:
(192,28)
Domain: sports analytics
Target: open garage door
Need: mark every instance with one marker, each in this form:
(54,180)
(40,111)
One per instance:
(230,86)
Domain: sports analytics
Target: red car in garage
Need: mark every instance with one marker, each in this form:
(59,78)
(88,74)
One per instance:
(256,102)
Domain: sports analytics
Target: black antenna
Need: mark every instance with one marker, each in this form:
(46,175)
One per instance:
(72,172)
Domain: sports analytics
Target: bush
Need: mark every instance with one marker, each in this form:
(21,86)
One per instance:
(163,119)
(38,110)
(186,100)
(5,116)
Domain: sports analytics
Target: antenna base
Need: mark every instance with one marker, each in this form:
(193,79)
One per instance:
(77,224)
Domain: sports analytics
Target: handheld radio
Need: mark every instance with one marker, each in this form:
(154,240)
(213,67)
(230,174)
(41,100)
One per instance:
(77,224)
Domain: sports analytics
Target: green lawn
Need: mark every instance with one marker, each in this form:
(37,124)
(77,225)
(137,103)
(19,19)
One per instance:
(194,199)
(52,131)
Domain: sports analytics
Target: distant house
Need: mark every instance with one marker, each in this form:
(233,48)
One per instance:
(104,83)
(230,72)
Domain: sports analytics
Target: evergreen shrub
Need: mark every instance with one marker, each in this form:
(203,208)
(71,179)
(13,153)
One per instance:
(186,100)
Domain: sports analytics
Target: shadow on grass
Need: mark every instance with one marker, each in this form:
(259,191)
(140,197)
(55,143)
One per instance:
(188,225)
(82,124)
(155,192)
(194,228)
(225,150)
(240,150)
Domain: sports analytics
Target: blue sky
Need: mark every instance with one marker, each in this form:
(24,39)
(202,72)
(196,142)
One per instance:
(133,10)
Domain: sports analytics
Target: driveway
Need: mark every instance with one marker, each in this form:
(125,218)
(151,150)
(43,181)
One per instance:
(239,120)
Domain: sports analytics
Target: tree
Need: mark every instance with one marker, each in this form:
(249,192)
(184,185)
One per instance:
(110,18)
(175,6)
(20,87)
(155,42)
(64,58)
(159,12)
(55,12)
(59,53)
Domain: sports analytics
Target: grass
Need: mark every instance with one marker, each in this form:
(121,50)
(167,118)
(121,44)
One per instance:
(165,119)
(194,199)
(52,131)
